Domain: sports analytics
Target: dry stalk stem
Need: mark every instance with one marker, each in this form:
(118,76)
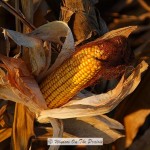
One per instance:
(16,14)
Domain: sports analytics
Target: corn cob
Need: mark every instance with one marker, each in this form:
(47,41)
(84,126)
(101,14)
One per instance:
(86,65)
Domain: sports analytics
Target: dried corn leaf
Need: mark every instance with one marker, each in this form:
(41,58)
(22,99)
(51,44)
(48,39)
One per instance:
(40,9)
(57,126)
(5,133)
(111,123)
(98,104)
(51,31)
(57,131)
(36,4)
(125,31)
(134,111)
(19,85)
(66,51)
(83,19)
(3,105)
(62,31)
(6,114)
(2,111)
(141,142)
(36,52)
(91,127)
(134,121)
(23,128)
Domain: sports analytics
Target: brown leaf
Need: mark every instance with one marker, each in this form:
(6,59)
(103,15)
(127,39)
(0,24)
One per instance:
(19,85)
(5,133)
(40,9)
(23,128)
(82,18)
(3,105)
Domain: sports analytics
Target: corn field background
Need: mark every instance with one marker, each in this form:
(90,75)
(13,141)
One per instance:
(88,20)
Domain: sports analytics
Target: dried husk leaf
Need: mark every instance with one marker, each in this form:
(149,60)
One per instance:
(57,126)
(40,56)
(99,104)
(51,31)
(111,123)
(36,51)
(66,51)
(91,127)
(67,48)
(125,31)
(57,131)
(134,111)
(18,84)
(48,52)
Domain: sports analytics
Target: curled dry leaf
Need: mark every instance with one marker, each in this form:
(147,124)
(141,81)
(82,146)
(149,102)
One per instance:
(51,31)
(36,52)
(39,54)
(57,126)
(67,48)
(18,85)
(111,123)
(125,31)
(66,51)
(57,131)
(99,126)
(98,104)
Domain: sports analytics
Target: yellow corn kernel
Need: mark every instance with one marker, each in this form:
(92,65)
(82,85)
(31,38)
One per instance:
(59,87)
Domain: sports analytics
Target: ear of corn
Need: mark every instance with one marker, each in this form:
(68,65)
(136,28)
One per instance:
(76,72)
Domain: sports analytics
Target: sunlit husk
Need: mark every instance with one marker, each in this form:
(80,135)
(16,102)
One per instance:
(18,85)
